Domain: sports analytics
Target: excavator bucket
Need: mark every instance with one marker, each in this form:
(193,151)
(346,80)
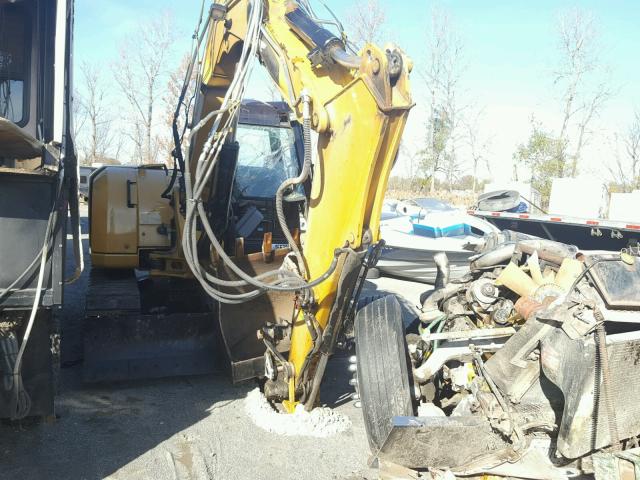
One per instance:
(239,324)
(146,328)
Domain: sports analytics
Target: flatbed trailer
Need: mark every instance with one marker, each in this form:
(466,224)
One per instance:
(585,233)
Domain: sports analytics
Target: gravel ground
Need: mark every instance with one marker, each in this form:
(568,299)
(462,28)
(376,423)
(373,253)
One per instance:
(179,428)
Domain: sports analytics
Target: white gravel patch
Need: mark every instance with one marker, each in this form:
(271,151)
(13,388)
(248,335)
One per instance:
(320,422)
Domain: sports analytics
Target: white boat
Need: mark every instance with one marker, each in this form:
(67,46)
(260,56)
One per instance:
(415,230)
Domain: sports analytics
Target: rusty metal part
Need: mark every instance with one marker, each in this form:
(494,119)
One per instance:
(542,254)
(527,306)
(547,251)
(278,390)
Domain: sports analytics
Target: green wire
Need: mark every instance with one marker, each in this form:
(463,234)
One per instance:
(440,327)
(440,322)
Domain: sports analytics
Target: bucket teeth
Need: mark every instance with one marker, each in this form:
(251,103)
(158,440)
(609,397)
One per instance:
(357,404)
(353,359)
(353,382)
(353,368)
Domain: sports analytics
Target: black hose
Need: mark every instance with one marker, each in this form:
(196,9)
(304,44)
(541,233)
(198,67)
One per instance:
(178,157)
(238,271)
(317,380)
(304,173)
(341,57)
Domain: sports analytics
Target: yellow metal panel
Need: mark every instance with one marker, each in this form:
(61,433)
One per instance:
(114,226)
(323,83)
(153,210)
(348,187)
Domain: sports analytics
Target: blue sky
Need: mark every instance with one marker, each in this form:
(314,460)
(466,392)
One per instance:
(510,51)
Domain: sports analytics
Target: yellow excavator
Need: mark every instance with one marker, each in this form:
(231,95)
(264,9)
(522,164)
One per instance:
(294,298)
(257,242)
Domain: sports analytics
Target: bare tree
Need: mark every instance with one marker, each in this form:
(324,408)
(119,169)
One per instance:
(579,75)
(171,99)
(442,78)
(452,167)
(410,165)
(626,171)
(98,115)
(140,74)
(478,145)
(79,118)
(366,20)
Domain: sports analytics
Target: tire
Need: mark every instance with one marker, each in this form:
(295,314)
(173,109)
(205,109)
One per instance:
(366,300)
(382,368)
(373,274)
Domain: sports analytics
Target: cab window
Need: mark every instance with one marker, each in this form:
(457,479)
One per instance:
(14,62)
(267,158)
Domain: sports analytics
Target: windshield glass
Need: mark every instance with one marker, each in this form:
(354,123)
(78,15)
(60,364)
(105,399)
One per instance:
(432,204)
(267,157)
(14,68)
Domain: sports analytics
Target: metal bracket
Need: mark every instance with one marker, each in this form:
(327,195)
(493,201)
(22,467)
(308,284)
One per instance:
(130,204)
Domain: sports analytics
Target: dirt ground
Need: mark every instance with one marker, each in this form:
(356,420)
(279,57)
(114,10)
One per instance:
(177,428)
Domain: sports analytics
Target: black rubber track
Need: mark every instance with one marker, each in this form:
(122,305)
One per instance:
(382,361)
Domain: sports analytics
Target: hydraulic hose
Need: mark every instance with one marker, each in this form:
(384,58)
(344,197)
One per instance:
(496,256)
(341,57)
(304,174)
(238,271)
(27,271)
(443,270)
(196,181)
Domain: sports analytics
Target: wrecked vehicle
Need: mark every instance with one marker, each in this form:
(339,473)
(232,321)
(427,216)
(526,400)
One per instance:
(527,367)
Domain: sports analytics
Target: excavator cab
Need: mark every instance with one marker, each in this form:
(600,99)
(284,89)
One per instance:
(38,192)
(271,150)
(141,323)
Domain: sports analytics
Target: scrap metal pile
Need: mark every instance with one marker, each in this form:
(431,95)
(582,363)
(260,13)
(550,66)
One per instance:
(527,367)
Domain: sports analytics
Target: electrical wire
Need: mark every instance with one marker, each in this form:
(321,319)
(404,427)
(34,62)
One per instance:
(21,399)
(178,157)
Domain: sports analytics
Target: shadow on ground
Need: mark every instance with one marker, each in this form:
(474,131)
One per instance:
(178,428)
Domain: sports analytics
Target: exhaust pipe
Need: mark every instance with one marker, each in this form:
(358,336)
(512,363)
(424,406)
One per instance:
(430,299)
(443,270)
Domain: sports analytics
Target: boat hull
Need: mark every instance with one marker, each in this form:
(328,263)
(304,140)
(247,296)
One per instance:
(418,264)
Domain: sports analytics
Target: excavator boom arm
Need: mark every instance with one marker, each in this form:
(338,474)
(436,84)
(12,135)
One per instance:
(358,106)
